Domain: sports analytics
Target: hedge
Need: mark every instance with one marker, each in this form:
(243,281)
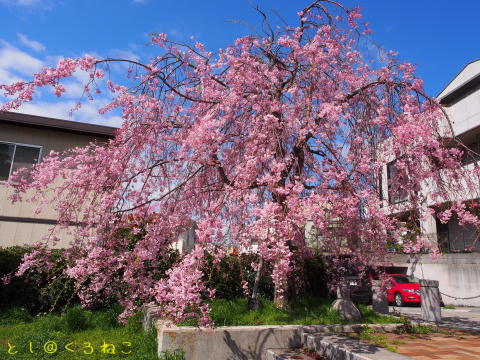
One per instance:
(38,294)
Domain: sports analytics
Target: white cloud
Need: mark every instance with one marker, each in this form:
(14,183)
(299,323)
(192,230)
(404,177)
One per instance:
(21,2)
(15,60)
(75,86)
(32,44)
(16,64)
(123,54)
(376,53)
(31,6)
(7,77)
(176,34)
(121,67)
(87,113)
(74,89)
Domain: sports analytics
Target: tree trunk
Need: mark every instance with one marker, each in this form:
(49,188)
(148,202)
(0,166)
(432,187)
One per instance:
(282,295)
(253,302)
(281,302)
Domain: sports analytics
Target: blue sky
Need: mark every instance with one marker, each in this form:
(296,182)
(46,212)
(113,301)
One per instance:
(440,36)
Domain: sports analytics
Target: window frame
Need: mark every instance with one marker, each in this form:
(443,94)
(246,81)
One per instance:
(390,184)
(474,146)
(14,152)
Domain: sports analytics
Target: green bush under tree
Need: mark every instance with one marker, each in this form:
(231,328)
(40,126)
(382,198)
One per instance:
(54,292)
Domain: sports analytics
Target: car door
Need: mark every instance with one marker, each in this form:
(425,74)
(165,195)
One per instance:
(391,289)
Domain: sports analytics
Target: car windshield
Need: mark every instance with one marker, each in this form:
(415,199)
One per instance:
(405,279)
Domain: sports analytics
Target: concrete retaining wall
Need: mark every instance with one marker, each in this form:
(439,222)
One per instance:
(458,275)
(241,342)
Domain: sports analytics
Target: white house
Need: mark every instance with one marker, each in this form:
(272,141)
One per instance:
(458,270)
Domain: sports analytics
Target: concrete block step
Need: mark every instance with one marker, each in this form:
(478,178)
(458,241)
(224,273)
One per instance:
(351,328)
(287,354)
(335,347)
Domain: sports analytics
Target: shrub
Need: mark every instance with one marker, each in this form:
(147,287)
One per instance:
(19,292)
(15,315)
(75,319)
(54,291)
(35,291)
(315,276)
(38,292)
(107,318)
(225,277)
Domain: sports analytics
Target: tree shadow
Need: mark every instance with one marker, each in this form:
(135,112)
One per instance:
(262,343)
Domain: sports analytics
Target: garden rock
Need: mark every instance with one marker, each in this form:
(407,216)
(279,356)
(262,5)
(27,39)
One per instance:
(347,310)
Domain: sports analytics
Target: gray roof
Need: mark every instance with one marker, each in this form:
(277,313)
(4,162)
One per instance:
(57,124)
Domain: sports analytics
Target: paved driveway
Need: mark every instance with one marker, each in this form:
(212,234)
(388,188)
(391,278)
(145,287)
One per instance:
(448,346)
(460,318)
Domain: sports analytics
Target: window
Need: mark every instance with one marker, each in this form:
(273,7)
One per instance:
(16,156)
(395,193)
(406,279)
(473,155)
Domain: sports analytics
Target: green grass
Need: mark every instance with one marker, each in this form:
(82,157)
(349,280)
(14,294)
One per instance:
(377,338)
(86,330)
(449,307)
(408,327)
(76,326)
(305,311)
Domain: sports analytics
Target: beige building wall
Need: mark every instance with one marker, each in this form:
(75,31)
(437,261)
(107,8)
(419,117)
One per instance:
(18,233)
(26,231)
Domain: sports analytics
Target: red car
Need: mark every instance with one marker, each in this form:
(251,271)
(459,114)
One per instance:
(405,289)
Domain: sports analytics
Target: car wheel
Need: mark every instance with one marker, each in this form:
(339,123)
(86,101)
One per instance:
(398,299)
